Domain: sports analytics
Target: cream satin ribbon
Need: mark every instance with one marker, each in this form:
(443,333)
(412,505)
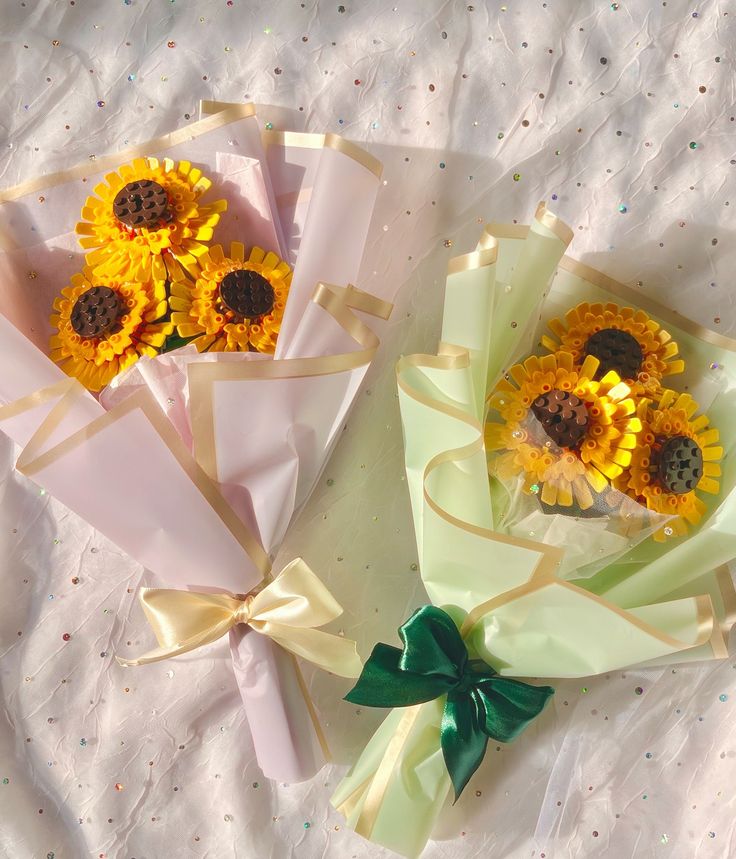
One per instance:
(287,611)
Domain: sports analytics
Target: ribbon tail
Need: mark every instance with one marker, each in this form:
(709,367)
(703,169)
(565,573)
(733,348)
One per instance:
(463,739)
(329,652)
(160,653)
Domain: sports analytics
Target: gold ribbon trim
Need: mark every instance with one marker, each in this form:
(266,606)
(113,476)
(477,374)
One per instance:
(379,785)
(304,140)
(233,113)
(288,610)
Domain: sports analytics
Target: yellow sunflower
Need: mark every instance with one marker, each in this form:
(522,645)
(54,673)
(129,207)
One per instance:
(565,432)
(235,304)
(676,457)
(103,326)
(146,217)
(624,340)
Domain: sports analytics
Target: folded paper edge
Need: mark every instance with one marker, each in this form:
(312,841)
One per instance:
(232,113)
(495,231)
(305,140)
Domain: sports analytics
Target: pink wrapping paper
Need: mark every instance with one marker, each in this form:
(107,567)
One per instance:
(134,479)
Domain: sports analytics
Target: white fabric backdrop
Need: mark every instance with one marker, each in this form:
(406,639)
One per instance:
(430,88)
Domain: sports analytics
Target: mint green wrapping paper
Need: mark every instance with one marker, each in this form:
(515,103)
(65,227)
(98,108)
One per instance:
(654,604)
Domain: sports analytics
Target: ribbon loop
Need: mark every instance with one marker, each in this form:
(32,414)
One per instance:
(432,645)
(479,704)
(288,610)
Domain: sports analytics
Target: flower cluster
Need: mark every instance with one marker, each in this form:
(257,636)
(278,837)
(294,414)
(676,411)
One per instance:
(591,422)
(152,282)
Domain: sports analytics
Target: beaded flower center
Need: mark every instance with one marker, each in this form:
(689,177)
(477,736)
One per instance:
(563,416)
(144,203)
(616,350)
(679,464)
(247,293)
(96,311)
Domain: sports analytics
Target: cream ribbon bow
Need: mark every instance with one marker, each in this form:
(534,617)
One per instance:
(287,611)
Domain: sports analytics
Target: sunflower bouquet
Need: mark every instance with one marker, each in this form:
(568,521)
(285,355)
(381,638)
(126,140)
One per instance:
(161,383)
(574,501)
(153,283)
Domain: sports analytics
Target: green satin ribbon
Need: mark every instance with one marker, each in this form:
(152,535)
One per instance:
(480,705)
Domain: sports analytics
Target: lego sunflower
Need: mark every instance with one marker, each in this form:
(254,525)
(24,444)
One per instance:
(676,458)
(235,304)
(104,325)
(622,339)
(565,432)
(147,220)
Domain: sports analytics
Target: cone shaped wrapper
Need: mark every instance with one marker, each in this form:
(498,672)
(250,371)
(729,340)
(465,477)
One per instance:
(195,464)
(659,603)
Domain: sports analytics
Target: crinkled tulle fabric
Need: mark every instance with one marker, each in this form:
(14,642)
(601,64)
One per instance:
(157,761)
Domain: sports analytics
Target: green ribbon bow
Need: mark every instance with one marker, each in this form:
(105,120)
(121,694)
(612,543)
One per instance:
(434,662)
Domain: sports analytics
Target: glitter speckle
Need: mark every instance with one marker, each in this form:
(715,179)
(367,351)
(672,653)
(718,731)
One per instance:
(119,787)
(668,531)
(623,208)
(228,818)
(171,44)
(83,742)
(66,636)
(307,824)
(693,144)
(723,698)
(604,61)
(269,126)
(638,691)
(516,177)
(534,489)
(448,243)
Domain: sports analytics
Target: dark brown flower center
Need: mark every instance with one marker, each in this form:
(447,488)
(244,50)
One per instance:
(563,417)
(142,204)
(616,350)
(96,312)
(679,464)
(247,293)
